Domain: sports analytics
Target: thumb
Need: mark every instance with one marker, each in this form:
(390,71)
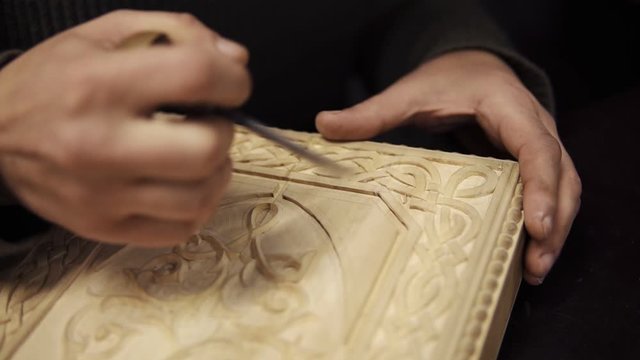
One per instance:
(367,119)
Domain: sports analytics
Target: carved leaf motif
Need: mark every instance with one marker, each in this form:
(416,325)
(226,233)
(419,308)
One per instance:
(191,268)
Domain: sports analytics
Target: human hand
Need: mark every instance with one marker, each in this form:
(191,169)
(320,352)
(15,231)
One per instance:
(76,142)
(467,83)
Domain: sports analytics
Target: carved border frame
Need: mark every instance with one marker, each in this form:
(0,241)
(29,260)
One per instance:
(487,303)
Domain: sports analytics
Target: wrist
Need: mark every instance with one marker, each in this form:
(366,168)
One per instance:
(478,60)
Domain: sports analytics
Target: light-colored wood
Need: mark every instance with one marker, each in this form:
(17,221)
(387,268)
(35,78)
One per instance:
(412,255)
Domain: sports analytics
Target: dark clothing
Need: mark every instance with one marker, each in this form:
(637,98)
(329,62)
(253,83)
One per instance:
(303,53)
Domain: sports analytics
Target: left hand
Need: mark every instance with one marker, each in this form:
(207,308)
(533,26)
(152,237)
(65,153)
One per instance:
(477,83)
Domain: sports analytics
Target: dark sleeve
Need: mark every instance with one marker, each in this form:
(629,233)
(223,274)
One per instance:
(17,224)
(403,34)
(6,56)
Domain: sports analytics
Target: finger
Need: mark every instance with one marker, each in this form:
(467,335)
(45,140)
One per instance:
(144,79)
(374,116)
(181,201)
(137,149)
(92,208)
(516,123)
(148,232)
(58,197)
(234,50)
(541,255)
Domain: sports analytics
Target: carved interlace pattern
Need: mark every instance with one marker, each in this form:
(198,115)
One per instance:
(431,284)
(28,291)
(257,294)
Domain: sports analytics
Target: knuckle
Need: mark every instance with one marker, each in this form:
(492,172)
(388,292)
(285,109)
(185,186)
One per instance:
(215,153)
(240,54)
(199,71)
(78,197)
(72,149)
(245,54)
(121,13)
(77,98)
(576,184)
(80,147)
(209,36)
(70,44)
(82,87)
(187,19)
(204,76)
(240,92)
(69,150)
(553,145)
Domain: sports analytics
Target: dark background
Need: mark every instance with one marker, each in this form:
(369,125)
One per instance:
(589,305)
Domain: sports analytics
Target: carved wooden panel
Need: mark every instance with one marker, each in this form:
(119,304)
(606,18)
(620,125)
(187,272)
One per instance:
(414,254)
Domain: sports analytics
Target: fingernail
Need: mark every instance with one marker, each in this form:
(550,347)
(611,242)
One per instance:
(533,280)
(547,226)
(229,48)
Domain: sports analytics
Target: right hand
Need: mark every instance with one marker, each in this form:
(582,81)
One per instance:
(76,143)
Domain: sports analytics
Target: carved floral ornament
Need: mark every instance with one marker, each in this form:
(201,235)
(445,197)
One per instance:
(407,257)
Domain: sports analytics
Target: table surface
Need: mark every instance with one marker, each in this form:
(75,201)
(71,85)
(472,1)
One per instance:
(589,306)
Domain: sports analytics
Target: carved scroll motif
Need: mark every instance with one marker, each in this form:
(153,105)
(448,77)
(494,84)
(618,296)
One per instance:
(276,274)
(252,297)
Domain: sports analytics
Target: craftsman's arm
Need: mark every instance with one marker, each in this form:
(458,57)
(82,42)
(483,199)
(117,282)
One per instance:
(404,34)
